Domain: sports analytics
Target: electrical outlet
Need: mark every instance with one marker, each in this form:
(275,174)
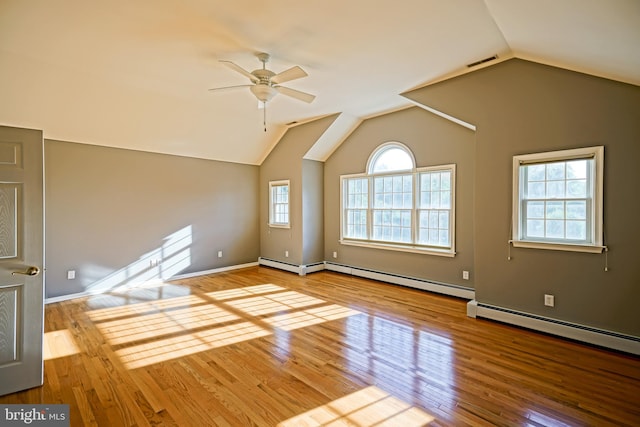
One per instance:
(549,300)
(465,275)
(219,254)
(286,254)
(71,274)
(335,254)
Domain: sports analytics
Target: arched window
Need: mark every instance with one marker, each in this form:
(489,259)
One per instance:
(391,157)
(396,205)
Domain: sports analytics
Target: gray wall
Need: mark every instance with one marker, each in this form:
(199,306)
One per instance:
(110,213)
(286,162)
(433,141)
(523,107)
(312,212)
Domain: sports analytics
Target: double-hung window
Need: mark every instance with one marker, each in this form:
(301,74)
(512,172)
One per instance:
(395,205)
(557,200)
(279,204)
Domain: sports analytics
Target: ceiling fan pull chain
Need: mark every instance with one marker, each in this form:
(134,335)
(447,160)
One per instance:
(264,121)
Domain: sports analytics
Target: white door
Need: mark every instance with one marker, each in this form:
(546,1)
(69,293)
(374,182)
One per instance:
(21,259)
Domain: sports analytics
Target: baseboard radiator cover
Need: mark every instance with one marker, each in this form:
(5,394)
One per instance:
(396,279)
(301,269)
(587,334)
(151,282)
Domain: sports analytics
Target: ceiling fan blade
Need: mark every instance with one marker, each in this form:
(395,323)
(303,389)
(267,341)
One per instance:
(220,89)
(240,70)
(288,75)
(302,96)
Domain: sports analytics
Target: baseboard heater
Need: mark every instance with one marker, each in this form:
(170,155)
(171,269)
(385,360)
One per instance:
(396,279)
(301,269)
(587,334)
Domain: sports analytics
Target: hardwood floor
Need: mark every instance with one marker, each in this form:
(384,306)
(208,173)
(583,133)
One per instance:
(261,347)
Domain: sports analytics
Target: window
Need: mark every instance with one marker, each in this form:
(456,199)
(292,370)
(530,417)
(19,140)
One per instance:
(279,204)
(395,205)
(557,200)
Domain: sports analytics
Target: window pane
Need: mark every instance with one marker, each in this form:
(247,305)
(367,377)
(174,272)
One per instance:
(435,200)
(433,219)
(435,181)
(555,210)
(407,202)
(392,159)
(445,181)
(535,190)
(577,210)
(555,171)
(555,189)
(445,199)
(577,188)
(425,199)
(535,228)
(536,172)
(443,238)
(425,182)
(535,209)
(577,230)
(443,219)
(577,169)
(555,229)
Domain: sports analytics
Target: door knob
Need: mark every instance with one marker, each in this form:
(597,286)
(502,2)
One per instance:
(31,271)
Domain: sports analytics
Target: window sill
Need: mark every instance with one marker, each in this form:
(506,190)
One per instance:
(593,249)
(400,248)
(279,226)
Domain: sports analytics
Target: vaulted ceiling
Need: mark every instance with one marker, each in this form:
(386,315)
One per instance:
(135,73)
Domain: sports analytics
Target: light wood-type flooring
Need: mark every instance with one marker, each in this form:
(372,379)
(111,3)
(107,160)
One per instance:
(262,347)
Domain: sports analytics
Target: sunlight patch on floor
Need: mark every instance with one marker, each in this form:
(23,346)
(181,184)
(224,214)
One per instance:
(161,350)
(370,406)
(313,316)
(164,329)
(59,344)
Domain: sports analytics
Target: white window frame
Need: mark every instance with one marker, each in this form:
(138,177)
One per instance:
(414,172)
(594,213)
(273,186)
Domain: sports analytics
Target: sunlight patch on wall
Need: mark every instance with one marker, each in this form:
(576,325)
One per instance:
(158,264)
(370,406)
(59,344)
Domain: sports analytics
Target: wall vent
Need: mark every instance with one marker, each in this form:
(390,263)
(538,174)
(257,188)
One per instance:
(482,61)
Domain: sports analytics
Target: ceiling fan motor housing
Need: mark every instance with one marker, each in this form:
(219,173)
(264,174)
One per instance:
(264,92)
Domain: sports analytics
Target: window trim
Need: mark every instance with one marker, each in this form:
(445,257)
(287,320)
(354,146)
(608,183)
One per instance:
(412,247)
(272,186)
(596,211)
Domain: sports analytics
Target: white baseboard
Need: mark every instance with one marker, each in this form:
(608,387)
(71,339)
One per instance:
(301,269)
(600,337)
(152,282)
(412,282)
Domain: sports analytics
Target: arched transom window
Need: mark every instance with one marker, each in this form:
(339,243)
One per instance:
(396,205)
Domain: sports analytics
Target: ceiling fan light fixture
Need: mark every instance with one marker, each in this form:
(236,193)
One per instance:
(263,92)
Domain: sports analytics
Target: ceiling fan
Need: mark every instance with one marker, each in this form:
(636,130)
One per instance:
(265,84)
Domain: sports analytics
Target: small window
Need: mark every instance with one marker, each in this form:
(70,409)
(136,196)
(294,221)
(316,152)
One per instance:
(558,200)
(279,204)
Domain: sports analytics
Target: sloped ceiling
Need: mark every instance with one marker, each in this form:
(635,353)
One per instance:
(135,73)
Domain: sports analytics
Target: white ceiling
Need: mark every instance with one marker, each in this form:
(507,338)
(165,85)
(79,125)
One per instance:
(135,73)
